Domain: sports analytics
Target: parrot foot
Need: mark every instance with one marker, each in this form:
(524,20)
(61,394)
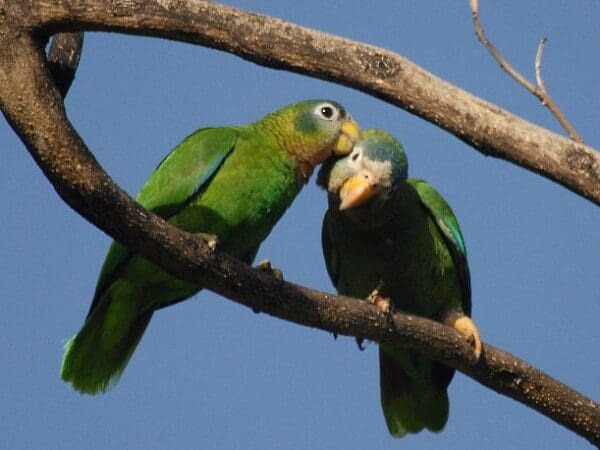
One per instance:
(211,240)
(464,325)
(265,266)
(382,303)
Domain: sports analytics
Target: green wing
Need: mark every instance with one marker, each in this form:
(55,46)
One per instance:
(183,171)
(176,180)
(442,215)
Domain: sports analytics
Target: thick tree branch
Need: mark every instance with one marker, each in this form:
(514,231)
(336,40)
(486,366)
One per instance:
(32,104)
(63,59)
(376,71)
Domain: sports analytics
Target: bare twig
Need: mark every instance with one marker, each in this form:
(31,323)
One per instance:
(538,63)
(540,90)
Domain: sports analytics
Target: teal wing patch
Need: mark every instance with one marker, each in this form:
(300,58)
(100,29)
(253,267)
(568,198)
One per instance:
(446,222)
(179,176)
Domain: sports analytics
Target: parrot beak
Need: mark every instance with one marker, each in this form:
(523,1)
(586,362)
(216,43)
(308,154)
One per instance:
(357,190)
(350,134)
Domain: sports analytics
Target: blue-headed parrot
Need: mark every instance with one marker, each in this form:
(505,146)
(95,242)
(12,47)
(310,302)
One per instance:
(385,230)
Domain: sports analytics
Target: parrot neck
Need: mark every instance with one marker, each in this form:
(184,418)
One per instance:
(295,145)
(371,215)
(378,211)
(368,218)
(304,170)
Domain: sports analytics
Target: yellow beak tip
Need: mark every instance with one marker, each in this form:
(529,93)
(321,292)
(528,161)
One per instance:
(350,134)
(343,145)
(344,206)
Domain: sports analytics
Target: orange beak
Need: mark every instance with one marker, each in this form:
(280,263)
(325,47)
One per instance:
(356,190)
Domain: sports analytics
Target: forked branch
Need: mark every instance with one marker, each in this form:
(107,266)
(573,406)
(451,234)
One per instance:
(540,90)
(63,59)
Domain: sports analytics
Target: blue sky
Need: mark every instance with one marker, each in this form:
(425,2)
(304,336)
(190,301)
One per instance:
(211,374)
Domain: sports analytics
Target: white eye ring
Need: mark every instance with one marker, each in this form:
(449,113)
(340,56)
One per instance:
(327,111)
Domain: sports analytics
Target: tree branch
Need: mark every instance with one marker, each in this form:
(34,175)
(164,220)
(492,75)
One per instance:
(538,64)
(32,104)
(63,59)
(540,91)
(274,43)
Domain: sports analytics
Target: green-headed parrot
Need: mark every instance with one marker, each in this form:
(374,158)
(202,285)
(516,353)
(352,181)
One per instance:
(232,182)
(396,237)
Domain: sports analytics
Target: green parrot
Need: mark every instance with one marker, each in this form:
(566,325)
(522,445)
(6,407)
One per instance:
(230,182)
(389,238)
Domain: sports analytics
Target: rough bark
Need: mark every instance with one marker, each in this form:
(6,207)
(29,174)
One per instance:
(376,71)
(63,59)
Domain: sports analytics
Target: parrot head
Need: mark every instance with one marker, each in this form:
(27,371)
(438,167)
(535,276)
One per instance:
(368,175)
(313,130)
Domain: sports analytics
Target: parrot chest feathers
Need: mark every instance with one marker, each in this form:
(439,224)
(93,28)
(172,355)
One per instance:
(404,252)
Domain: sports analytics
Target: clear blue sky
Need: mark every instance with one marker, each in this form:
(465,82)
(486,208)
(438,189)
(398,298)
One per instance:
(211,374)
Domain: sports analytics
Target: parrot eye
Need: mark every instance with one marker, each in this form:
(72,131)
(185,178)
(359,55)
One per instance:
(356,154)
(327,111)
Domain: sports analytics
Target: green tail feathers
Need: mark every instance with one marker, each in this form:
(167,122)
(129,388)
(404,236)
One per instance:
(96,356)
(413,396)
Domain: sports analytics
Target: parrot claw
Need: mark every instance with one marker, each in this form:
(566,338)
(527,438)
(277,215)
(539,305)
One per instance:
(464,325)
(382,303)
(360,343)
(211,240)
(265,266)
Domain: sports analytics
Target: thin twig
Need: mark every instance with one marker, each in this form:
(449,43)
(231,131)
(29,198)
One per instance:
(538,64)
(495,53)
(540,90)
